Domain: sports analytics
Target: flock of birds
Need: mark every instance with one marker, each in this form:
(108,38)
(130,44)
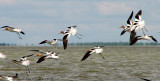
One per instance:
(131,27)
(46,55)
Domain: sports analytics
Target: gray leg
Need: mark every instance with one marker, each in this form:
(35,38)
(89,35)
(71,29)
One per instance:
(102,56)
(77,37)
(18,35)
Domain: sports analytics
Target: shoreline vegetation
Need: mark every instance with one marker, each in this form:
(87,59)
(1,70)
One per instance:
(88,44)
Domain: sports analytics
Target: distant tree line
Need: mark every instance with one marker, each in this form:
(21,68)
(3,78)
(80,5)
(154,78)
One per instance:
(86,44)
(109,44)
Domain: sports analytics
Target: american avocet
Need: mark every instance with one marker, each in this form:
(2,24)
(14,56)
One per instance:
(8,78)
(42,52)
(24,62)
(52,42)
(16,30)
(96,49)
(139,22)
(145,37)
(128,28)
(73,31)
(49,56)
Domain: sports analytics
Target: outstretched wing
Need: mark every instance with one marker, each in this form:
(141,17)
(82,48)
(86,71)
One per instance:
(154,39)
(129,21)
(22,32)
(123,32)
(38,51)
(86,55)
(132,35)
(6,27)
(145,79)
(42,42)
(138,15)
(134,40)
(28,55)
(65,41)
(41,59)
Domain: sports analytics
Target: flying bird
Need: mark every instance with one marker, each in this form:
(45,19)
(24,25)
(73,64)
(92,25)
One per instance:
(73,31)
(65,40)
(145,37)
(129,25)
(52,42)
(12,29)
(139,22)
(48,56)
(42,52)
(24,62)
(96,49)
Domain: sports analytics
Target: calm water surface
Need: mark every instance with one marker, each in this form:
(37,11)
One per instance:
(121,64)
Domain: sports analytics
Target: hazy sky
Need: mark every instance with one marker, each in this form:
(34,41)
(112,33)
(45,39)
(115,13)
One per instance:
(97,20)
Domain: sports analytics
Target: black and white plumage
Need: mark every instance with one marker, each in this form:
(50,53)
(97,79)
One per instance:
(139,23)
(42,52)
(48,56)
(96,49)
(8,78)
(65,40)
(129,25)
(145,37)
(73,31)
(24,62)
(12,29)
(52,42)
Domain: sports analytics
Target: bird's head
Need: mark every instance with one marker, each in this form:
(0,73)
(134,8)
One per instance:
(122,27)
(15,61)
(6,28)
(40,55)
(88,50)
(62,32)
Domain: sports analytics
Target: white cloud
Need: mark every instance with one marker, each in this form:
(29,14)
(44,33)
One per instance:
(108,8)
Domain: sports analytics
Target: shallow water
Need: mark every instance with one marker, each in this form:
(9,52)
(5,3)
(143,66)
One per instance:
(121,64)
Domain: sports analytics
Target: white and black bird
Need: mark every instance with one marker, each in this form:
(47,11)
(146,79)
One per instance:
(42,53)
(139,22)
(52,42)
(53,55)
(25,62)
(73,31)
(96,49)
(128,28)
(144,37)
(12,29)
(8,78)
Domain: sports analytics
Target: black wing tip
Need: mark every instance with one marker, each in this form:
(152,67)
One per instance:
(122,32)
(86,56)
(22,32)
(145,79)
(42,42)
(41,59)
(5,26)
